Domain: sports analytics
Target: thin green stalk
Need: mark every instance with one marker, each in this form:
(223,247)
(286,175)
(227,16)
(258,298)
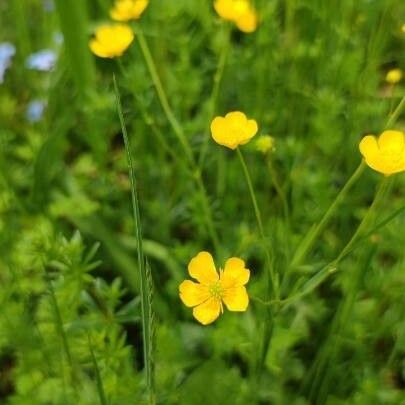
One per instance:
(215,91)
(145,282)
(394,116)
(178,130)
(331,267)
(100,386)
(61,332)
(259,222)
(272,281)
(310,238)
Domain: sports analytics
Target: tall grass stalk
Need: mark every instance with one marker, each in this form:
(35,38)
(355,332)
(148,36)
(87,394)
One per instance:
(145,279)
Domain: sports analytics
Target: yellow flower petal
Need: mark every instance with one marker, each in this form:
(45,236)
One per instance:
(235,274)
(236,118)
(392,141)
(208,311)
(368,146)
(125,10)
(111,40)
(225,9)
(236,299)
(193,294)
(247,22)
(202,268)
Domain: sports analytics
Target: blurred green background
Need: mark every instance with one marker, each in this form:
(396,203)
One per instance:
(313,76)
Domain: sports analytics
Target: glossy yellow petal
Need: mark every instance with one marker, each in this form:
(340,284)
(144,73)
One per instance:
(111,40)
(368,146)
(125,10)
(249,132)
(202,268)
(391,141)
(98,49)
(193,294)
(208,311)
(235,274)
(247,22)
(236,299)
(236,118)
(225,9)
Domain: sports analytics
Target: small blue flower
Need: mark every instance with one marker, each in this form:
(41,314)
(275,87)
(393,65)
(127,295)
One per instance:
(43,60)
(7,51)
(35,110)
(48,5)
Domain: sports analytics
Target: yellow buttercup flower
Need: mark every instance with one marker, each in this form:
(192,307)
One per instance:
(111,41)
(241,12)
(213,289)
(385,154)
(233,130)
(247,22)
(264,144)
(125,10)
(393,76)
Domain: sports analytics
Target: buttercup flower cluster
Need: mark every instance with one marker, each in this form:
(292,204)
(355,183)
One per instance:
(240,12)
(112,40)
(385,154)
(213,289)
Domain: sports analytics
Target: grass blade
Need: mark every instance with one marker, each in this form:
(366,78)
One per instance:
(144,270)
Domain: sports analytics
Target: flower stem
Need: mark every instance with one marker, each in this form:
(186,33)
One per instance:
(313,234)
(272,281)
(178,130)
(394,116)
(215,90)
(331,267)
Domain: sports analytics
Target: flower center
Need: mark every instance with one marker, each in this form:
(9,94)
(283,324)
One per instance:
(216,291)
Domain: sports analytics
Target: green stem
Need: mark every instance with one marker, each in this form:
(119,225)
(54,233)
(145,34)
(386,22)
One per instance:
(178,130)
(331,267)
(272,281)
(394,116)
(259,224)
(145,285)
(314,233)
(215,91)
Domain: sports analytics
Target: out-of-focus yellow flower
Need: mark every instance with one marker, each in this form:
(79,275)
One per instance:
(385,154)
(213,289)
(233,130)
(393,76)
(241,12)
(125,10)
(247,22)
(111,41)
(403,28)
(264,144)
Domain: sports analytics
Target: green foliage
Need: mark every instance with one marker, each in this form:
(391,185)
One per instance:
(77,322)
